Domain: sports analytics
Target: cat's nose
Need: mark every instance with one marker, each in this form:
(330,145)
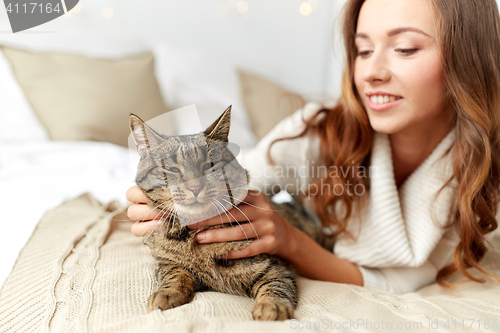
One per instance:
(195,189)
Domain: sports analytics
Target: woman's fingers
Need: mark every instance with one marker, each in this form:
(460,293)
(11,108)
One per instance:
(142,212)
(257,246)
(141,229)
(135,195)
(147,219)
(238,232)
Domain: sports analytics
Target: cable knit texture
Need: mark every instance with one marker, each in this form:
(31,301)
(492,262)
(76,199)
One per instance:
(83,271)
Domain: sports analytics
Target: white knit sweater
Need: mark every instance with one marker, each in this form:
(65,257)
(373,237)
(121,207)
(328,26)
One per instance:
(399,247)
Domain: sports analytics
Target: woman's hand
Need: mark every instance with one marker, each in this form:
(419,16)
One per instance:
(275,236)
(271,233)
(147,220)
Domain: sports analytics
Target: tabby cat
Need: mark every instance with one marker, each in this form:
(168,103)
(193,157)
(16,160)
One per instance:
(188,177)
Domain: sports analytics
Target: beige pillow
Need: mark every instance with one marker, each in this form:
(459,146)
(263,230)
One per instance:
(266,102)
(81,98)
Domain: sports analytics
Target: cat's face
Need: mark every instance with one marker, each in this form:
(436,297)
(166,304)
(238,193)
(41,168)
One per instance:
(196,176)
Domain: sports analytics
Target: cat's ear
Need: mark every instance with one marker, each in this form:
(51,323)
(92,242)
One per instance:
(144,136)
(219,130)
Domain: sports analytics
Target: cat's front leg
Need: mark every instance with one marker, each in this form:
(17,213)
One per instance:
(275,294)
(177,287)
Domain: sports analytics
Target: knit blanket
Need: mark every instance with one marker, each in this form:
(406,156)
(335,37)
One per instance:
(82,270)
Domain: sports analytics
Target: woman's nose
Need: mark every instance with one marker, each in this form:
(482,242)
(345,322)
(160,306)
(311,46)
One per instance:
(377,68)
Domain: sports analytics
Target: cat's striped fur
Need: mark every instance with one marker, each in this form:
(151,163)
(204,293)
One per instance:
(184,266)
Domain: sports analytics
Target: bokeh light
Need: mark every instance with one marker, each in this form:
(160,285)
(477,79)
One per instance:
(305,8)
(108,13)
(242,6)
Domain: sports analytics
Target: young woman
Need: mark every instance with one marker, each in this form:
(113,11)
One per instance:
(407,161)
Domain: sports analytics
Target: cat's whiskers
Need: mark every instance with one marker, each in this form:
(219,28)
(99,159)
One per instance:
(161,221)
(170,219)
(164,211)
(228,212)
(223,210)
(239,224)
(217,209)
(173,216)
(250,222)
(247,203)
(158,226)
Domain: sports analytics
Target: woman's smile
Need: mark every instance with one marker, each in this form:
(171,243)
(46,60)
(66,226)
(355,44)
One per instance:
(379,101)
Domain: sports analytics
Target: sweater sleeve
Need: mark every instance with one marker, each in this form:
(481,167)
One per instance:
(399,280)
(374,278)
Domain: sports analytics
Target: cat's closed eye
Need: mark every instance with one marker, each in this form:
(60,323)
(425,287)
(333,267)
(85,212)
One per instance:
(173,169)
(207,166)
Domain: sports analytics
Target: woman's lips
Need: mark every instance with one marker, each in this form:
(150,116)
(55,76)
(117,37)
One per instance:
(384,106)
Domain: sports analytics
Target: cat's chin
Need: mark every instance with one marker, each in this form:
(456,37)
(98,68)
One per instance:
(196,212)
(196,205)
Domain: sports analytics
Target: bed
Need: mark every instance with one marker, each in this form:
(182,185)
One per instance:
(71,264)
(83,271)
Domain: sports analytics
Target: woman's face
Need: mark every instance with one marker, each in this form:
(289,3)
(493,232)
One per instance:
(397,70)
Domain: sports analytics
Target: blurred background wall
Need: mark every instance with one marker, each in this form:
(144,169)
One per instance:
(290,40)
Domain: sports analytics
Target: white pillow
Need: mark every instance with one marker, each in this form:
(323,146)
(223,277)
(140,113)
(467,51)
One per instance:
(105,46)
(19,122)
(207,79)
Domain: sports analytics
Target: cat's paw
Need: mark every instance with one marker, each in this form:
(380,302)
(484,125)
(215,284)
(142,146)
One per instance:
(167,299)
(269,310)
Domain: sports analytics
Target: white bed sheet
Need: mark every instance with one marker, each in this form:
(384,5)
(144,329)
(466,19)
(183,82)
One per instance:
(36,177)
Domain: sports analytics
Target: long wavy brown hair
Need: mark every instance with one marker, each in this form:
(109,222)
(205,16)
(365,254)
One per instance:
(469,40)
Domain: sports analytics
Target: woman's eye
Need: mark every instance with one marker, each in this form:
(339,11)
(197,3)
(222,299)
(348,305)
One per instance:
(174,169)
(402,51)
(363,53)
(406,51)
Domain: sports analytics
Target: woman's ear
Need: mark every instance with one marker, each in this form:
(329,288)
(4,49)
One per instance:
(219,130)
(144,136)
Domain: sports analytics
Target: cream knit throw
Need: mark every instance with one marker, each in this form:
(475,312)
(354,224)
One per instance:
(83,271)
